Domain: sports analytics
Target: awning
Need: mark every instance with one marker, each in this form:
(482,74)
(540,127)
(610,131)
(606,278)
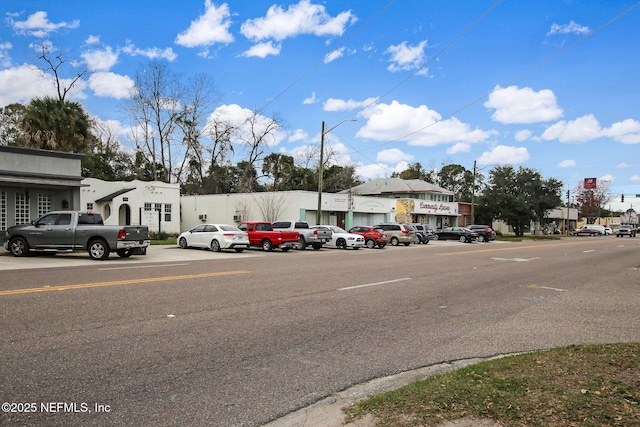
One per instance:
(109,197)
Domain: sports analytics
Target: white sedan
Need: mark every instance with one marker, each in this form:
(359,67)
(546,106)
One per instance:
(342,239)
(215,237)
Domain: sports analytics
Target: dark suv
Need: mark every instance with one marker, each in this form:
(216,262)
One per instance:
(485,233)
(424,232)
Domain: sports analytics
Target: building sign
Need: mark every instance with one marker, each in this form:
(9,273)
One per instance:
(406,207)
(590,183)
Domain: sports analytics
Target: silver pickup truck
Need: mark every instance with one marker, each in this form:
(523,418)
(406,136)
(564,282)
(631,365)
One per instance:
(77,231)
(308,237)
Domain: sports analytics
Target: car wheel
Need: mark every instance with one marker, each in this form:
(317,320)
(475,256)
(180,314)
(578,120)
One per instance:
(382,245)
(341,244)
(98,249)
(183,243)
(407,243)
(436,237)
(395,241)
(124,253)
(370,243)
(481,238)
(266,245)
(303,243)
(463,239)
(215,246)
(285,249)
(316,247)
(19,246)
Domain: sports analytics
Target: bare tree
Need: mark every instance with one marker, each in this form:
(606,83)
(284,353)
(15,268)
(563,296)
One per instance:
(257,132)
(243,209)
(271,206)
(155,108)
(54,64)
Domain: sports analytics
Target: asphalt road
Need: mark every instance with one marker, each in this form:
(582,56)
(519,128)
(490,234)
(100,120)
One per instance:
(190,337)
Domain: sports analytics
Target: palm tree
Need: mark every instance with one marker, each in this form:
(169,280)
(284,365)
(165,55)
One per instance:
(58,125)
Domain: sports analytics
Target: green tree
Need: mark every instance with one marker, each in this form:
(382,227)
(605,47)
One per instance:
(337,178)
(413,171)
(11,118)
(519,196)
(54,124)
(458,179)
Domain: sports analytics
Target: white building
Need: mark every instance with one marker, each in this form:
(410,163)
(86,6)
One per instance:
(152,203)
(340,209)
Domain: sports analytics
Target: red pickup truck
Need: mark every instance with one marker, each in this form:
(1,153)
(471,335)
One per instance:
(262,234)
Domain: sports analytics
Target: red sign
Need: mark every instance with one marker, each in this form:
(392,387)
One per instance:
(589,183)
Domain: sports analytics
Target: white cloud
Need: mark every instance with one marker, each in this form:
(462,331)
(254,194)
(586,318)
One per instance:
(262,50)
(237,116)
(635,178)
(522,135)
(92,40)
(460,147)
(108,84)
(100,59)
(502,154)
(38,25)
(21,84)
(210,28)
(587,128)
(297,19)
(406,58)
(514,105)
(606,178)
(151,53)
(310,100)
(623,165)
(334,104)
(373,171)
(393,155)
(418,126)
(5,59)
(570,28)
(338,53)
(298,135)
(567,164)
(626,131)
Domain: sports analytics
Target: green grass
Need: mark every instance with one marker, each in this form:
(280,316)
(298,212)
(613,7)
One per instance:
(170,240)
(585,386)
(514,238)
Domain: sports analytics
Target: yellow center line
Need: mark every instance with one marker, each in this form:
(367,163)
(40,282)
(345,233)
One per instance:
(118,282)
(511,248)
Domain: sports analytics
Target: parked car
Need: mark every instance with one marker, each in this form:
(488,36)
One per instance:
(341,238)
(485,233)
(308,237)
(262,234)
(398,233)
(608,231)
(215,237)
(424,233)
(626,230)
(68,231)
(589,230)
(373,237)
(462,234)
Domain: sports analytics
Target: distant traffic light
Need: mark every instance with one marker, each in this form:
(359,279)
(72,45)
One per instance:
(622,198)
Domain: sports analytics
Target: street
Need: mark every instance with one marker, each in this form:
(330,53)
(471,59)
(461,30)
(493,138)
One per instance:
(191,337)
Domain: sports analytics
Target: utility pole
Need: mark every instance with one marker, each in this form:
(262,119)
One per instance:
(473,195)
(320,173)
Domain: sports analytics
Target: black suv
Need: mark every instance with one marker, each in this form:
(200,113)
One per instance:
(485,233)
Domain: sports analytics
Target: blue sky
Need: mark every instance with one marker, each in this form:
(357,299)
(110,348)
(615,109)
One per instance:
(551,84)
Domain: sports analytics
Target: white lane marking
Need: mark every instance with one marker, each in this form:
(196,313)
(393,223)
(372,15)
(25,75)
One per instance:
(348,288)
(141,266)
(590,250)
(515,259)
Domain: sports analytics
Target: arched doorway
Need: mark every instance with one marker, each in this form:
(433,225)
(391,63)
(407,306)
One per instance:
(124,215)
